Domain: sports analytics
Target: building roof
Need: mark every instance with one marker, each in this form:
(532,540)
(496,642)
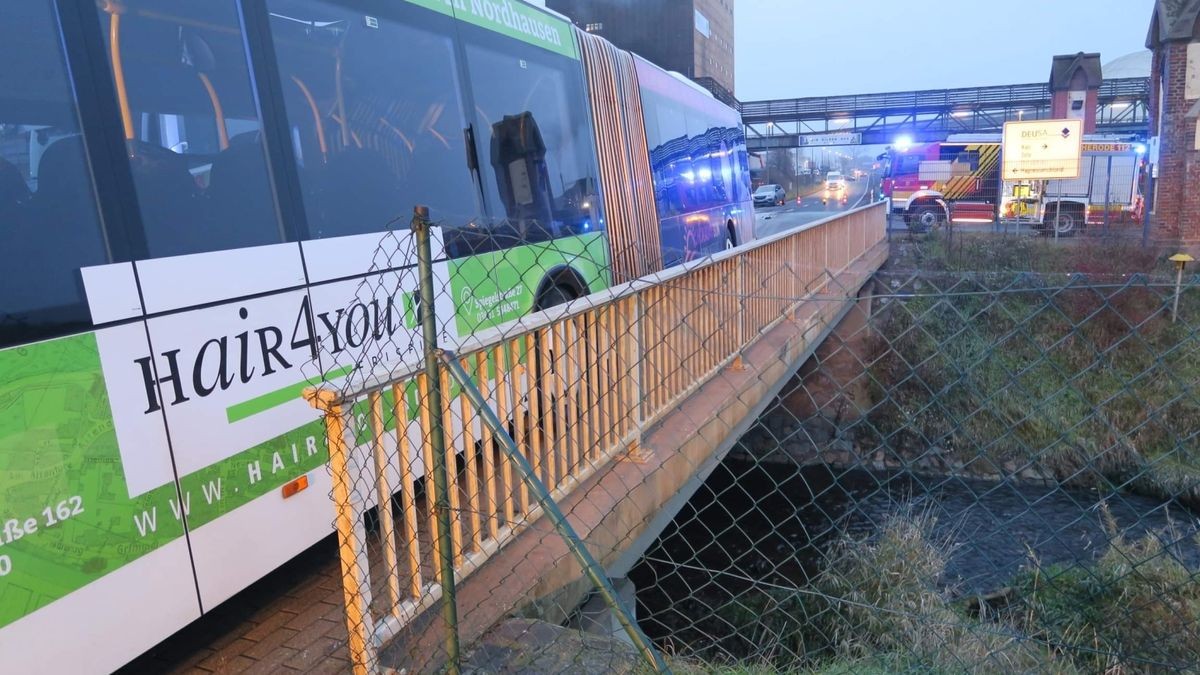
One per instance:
(1172,20)
(1065,66)
(1136,64)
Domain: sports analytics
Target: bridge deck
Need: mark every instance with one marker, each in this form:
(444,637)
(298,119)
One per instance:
(785,293)
(613,508)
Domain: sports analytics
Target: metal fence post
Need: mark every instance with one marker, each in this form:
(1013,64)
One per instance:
(437,441)
(351,533)
(1107,194)
(1058,210)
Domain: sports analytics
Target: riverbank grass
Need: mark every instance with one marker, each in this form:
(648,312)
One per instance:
(1079,377)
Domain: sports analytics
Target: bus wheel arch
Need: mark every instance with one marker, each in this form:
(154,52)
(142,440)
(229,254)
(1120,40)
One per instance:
(561,285)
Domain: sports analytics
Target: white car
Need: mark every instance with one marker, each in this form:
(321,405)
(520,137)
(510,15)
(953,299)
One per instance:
(835,182)
(769,194)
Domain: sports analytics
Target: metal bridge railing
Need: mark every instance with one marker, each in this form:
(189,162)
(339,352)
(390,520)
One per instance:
(572,387)
(819,107)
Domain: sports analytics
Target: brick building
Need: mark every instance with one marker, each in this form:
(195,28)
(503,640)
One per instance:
(1075,81)
(1175,119)
(693,37)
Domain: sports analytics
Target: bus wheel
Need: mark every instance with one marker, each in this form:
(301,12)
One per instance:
(925,218)
(731,239)
(554,296)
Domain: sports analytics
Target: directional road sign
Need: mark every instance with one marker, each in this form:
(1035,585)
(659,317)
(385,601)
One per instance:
(1042,149)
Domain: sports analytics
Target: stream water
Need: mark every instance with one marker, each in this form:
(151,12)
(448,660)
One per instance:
(773,523)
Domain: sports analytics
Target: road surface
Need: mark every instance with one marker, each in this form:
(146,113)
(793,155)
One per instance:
(774,219)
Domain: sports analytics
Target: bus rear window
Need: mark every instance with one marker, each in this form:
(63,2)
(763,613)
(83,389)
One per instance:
(49,226)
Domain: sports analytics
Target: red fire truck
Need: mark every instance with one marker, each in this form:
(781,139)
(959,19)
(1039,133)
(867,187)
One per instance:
(959,181)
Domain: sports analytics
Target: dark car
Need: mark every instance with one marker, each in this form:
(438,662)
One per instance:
(769,194)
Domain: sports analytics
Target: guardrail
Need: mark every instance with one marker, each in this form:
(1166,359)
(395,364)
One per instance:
(576,385)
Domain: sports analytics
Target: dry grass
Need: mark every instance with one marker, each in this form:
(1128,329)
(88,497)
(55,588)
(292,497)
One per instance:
(1136,611)
(878,607)
(1083,378)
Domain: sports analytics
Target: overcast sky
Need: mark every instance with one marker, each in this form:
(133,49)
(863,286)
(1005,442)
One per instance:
(793,48)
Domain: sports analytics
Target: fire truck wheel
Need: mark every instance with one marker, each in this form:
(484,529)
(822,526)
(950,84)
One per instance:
(1065,223)
(925,218)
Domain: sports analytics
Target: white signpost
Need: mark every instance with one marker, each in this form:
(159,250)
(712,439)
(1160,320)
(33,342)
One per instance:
(1042,149)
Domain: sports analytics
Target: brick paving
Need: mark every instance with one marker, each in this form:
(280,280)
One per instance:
(289,621)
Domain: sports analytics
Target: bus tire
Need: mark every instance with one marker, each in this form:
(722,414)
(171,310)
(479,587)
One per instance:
(560,285)
(555,295)
(731,239)
(544,368)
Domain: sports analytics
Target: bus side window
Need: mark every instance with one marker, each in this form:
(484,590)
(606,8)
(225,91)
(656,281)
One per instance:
(533,135)
(670,160)
(190,118)
(49,224)
(375,115)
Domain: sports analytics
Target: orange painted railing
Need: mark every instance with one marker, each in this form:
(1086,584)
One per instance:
(578,384)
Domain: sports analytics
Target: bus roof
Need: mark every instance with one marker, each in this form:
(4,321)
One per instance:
(677,87)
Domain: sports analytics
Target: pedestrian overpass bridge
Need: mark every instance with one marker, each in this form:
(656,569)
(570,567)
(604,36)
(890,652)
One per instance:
(620,403)
(930,115)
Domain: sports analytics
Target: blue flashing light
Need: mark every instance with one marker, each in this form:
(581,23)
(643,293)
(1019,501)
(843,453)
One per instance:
(903,143)
(1139,148)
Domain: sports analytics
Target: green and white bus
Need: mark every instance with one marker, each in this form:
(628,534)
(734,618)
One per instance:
(193,196)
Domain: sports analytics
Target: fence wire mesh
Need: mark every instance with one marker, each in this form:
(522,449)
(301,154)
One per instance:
(782,459)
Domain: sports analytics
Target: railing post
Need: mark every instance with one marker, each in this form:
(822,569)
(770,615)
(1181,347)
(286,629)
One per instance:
(639,373)
(437,439)
(351,533)
(739,363)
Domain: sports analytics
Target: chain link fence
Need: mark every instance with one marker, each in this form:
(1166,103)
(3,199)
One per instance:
(774,459)
(977,472)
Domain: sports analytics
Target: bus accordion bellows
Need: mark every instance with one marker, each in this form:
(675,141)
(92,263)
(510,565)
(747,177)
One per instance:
(191,196)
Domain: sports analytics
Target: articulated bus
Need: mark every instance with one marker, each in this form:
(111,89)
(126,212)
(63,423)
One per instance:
(193,194)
